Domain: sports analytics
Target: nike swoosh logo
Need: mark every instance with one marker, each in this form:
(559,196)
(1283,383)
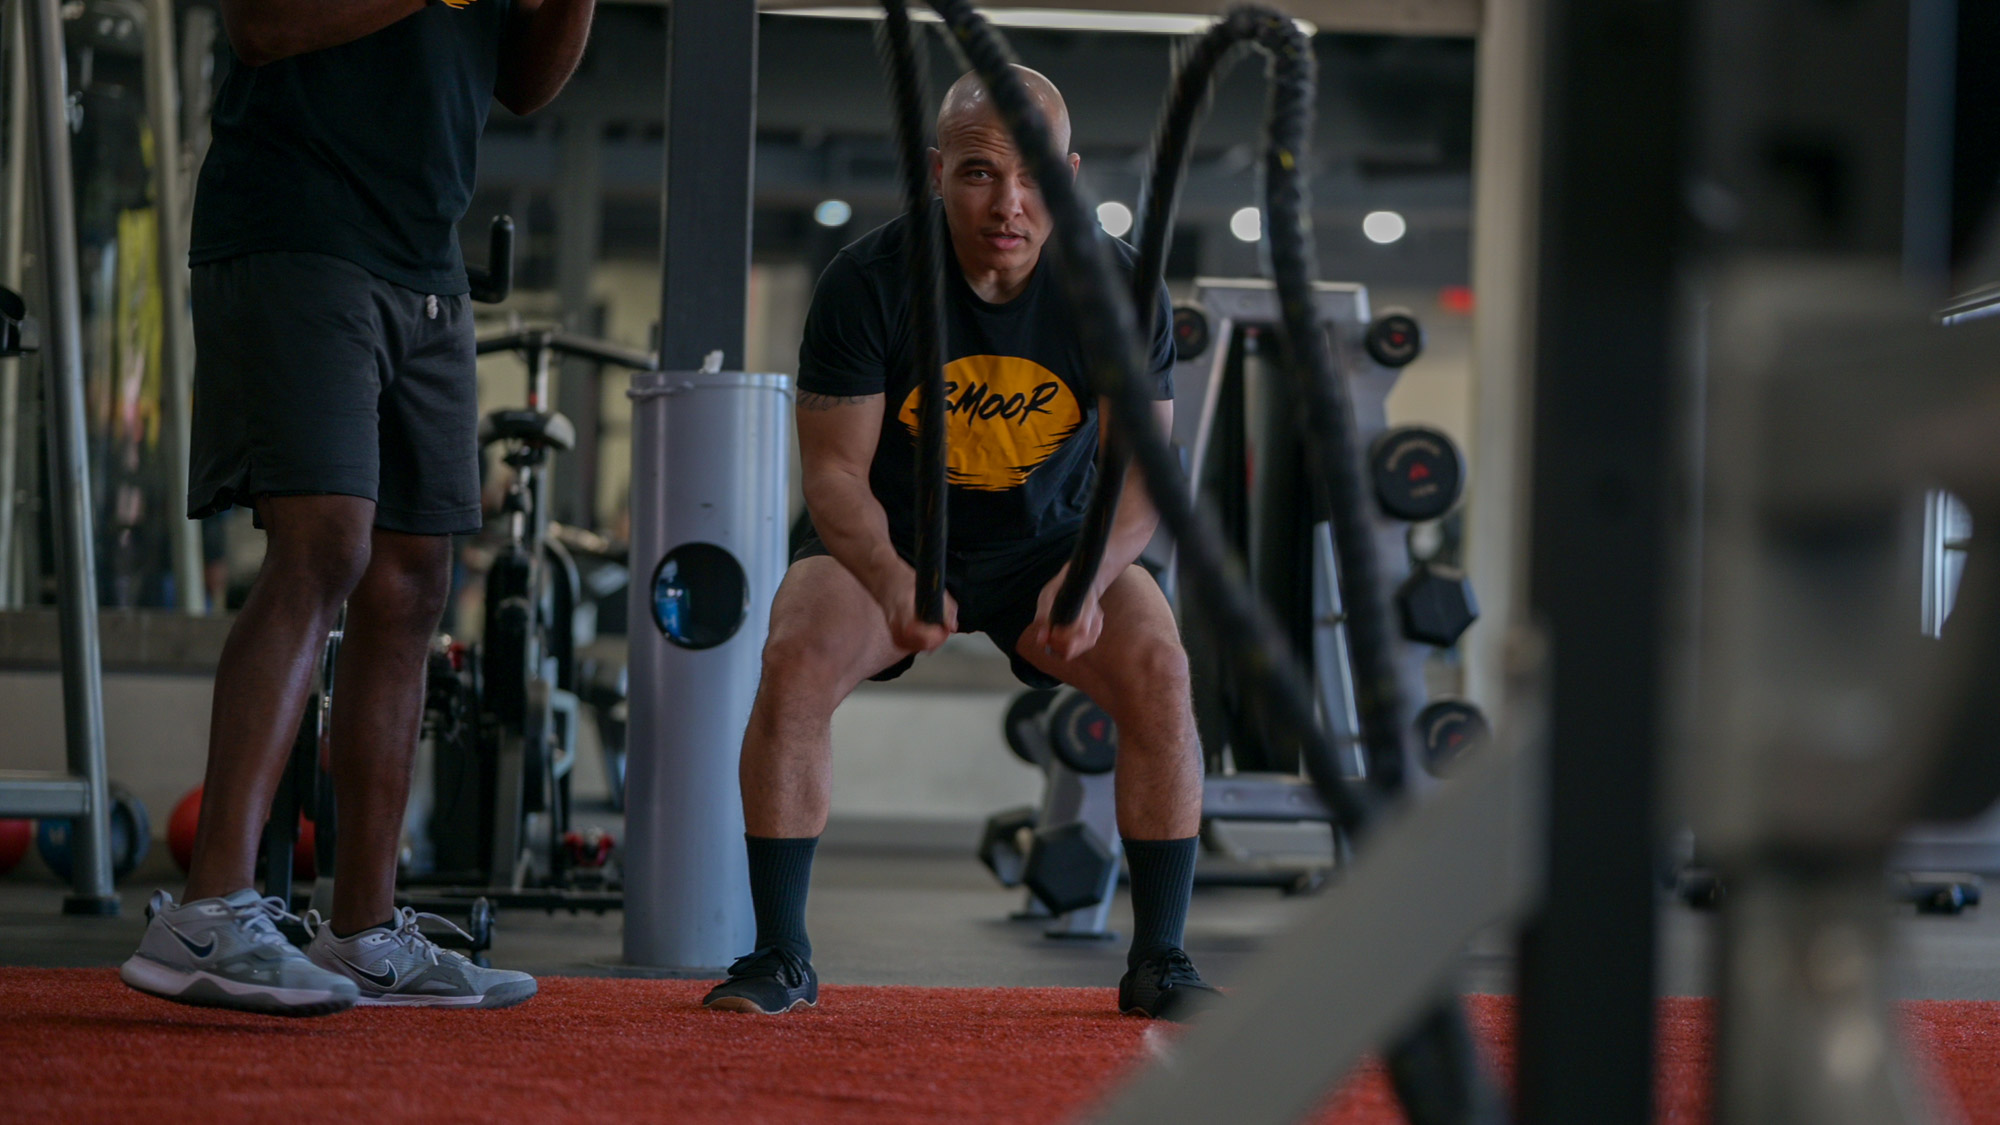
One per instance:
(381,980)
(197,950)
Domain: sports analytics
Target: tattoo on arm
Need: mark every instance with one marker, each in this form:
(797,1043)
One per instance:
(810,401)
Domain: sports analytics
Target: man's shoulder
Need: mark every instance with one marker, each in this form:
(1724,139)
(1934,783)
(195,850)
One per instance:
(877,255)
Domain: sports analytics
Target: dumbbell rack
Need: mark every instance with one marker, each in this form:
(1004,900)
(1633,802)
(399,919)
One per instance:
(1417,474)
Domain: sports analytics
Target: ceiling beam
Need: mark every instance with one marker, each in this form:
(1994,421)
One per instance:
(1455,18)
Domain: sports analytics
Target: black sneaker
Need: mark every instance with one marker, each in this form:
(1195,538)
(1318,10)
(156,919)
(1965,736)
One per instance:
(767,981)
(1165,986)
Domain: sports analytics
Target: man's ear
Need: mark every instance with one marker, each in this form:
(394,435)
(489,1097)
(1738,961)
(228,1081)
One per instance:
(1075,164)
(937,171)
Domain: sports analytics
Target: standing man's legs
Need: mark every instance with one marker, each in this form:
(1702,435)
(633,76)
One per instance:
(827,635)
(1138,672)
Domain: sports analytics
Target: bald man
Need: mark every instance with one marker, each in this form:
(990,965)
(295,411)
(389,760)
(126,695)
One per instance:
(1023,430)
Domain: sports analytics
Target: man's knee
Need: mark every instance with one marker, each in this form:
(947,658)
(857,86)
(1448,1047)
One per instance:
(1151,677)
(322,559)
(801,660)
(409,579)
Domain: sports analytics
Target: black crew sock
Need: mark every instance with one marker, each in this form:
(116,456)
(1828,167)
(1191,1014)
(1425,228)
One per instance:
(780,871)
(362,930)
(1162,882)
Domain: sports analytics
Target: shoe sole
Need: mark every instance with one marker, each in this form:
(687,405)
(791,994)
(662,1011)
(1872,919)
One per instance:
(202,989)
(1179,1011)
(743,1004)
(503,996)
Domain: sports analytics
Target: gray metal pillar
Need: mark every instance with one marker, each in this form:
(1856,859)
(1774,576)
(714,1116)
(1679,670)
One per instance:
(13,236)
(710,483)
(708,467)
(162,60)
(1503,275)
(76,559)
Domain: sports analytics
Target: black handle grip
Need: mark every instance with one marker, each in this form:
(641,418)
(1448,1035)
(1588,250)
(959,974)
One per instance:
(491,285)
(17,328)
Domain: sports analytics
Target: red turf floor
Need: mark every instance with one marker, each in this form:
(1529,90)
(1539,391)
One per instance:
(76,1045)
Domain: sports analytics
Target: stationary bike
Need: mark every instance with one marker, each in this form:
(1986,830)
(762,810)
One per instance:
(501,716)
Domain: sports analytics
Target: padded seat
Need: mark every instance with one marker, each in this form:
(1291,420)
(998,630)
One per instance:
(548,430)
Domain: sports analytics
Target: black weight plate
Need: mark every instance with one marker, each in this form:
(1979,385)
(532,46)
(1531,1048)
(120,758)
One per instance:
(1027,707)
(1082,735)
(1418,473)
(1449,728)
(1191,335)
(1395,339)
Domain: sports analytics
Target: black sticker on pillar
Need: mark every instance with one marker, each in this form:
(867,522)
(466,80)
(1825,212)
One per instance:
(701,596)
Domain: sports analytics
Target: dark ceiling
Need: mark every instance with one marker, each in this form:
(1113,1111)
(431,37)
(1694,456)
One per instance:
(1394,132)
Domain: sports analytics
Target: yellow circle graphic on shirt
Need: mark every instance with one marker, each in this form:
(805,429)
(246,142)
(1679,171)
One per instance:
(1004,416)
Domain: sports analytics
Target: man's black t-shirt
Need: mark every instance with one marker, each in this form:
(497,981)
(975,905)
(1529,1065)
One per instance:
(1020,419)
(364,151)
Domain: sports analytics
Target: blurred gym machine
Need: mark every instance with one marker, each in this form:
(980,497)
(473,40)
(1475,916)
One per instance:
(1938,869)
(1240,440)
(503,715)
(1938,866)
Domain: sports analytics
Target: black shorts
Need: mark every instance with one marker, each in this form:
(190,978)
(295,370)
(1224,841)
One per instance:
(996,597)
(313,376)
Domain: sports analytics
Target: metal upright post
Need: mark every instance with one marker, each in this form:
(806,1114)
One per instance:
(579,206)
(709,488)
(1604,486)
(62,364)
(162,61)
(13,236)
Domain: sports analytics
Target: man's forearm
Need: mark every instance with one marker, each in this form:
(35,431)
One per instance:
(1130,532)
(541,51)
(264,31)
(851,522)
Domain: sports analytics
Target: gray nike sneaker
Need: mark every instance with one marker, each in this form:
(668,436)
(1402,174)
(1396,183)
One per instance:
(397,965)
(227,953)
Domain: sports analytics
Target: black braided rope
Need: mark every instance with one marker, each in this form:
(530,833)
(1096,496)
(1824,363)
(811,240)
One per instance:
(901,51)
(1158,202)
(1108,329)
(1332,443)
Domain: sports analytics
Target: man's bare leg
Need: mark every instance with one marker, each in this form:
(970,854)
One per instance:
(377,709)
(827,635)
(1138,673)
(318,549)
(220,947)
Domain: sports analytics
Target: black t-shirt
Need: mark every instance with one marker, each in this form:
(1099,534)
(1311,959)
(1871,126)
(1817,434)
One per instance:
(1020,419)
(364,151)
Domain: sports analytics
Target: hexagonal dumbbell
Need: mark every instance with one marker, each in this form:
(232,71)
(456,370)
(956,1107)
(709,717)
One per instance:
(1436,605)
(1004,846)
(1068,866)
